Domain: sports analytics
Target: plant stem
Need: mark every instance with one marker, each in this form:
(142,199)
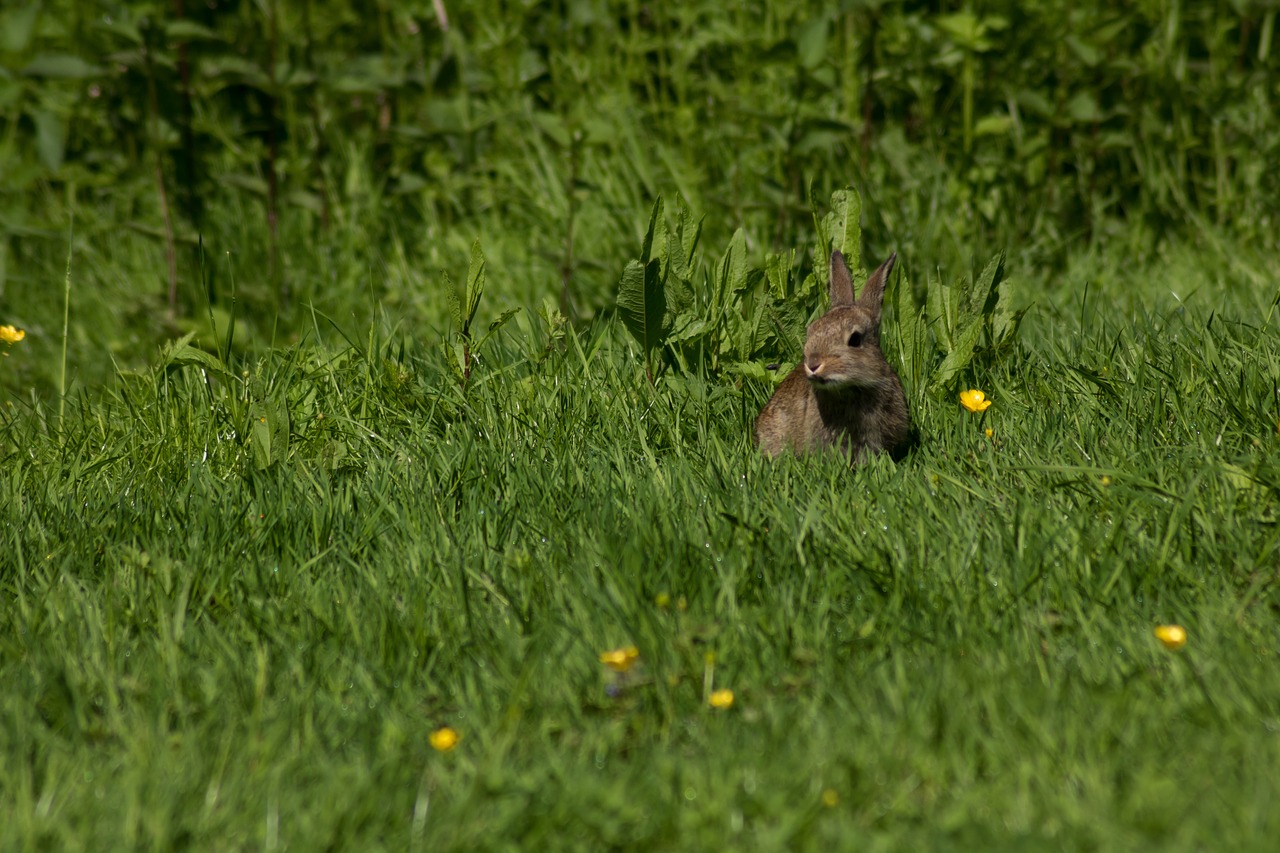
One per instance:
(66,318)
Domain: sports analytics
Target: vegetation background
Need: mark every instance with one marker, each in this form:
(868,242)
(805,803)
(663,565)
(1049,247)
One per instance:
(287,485)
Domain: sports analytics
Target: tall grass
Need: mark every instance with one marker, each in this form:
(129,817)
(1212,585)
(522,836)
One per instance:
(207,648)
(385,145)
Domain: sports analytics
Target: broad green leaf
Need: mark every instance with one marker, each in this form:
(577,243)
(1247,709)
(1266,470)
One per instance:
(777,272)
(690,232)
(1085,52)
(269,432)
(1035,102)
(760,331)
(1083,108)
(455,304)
(1241,480)
(822,233)
(811,42)
(61,66)
(679,300)
(16,26)
(51,138)
(228,68)
(1004,321)
(688,327)
(965,29)
(456,358)
(188,30)
(655,234)
(735,263)
(642,302)
(675,257)
(996,124)
(957,359)
(475,285)
(333,454)
(754,371)
(846,206)
(940,309)
(986,288)
(181,353)
(127,29)
(909,328)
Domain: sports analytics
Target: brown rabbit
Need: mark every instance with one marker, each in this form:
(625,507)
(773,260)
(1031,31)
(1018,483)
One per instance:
(844,393)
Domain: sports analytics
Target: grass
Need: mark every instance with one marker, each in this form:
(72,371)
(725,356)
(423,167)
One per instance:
(202,650)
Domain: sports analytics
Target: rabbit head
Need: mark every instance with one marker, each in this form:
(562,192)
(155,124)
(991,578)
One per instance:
(842,348)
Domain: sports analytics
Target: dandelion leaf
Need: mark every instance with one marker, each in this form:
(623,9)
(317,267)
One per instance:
(957,359)
(642,302)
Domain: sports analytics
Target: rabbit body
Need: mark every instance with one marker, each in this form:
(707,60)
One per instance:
(844,393)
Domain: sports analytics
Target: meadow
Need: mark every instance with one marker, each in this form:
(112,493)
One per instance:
(376,471)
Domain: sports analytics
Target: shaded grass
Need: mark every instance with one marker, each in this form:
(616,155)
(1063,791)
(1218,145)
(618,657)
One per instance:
(202,653)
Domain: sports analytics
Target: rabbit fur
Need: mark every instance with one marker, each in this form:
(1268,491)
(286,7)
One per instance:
(844,393)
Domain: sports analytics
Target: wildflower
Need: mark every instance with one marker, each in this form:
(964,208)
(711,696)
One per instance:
(10,335)
(721,699)
(830,798)
(663,600)
(974,400)
(444,739)
(989,432)
(1105,480)
(1173,637)
(620,660)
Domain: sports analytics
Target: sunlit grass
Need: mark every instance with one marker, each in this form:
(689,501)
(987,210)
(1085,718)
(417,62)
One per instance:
(411,630)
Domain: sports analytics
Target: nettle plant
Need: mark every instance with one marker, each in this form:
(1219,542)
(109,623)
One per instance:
(692,317)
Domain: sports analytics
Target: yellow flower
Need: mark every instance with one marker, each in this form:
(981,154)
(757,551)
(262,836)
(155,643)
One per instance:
(830,798)
(10,335)
(974,400)
(663,600)
(721,699)
(444,739)
(620,660)
(989,432)
(1174,637)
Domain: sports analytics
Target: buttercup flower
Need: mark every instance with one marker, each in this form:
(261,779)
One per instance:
(444,739)
(830,798)
(1173,637)
(990,432)
(974,400)
(620,660)
(721,699)
(11,335)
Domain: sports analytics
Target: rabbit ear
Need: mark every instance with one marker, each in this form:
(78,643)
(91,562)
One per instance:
(872,295)
(841,281)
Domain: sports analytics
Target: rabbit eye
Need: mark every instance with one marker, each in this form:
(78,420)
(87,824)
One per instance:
(855,340)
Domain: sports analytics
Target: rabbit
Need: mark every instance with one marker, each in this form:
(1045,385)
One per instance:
(844,393)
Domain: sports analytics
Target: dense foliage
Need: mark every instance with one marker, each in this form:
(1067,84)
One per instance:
(387,140)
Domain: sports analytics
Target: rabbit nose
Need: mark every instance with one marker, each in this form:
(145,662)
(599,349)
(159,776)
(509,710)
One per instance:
(812,369)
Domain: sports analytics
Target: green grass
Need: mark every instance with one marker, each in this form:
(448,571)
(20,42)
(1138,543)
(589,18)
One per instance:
(238,592)
(202,651)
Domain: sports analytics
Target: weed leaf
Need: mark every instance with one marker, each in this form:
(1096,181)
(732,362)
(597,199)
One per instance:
(642,302)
